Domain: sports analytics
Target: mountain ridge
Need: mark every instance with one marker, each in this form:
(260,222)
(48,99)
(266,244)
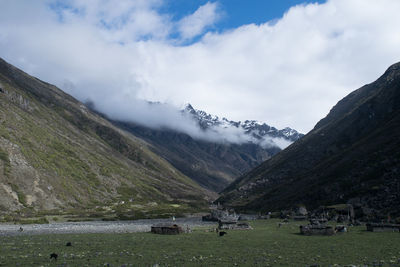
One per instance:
(257,131)
(351,156)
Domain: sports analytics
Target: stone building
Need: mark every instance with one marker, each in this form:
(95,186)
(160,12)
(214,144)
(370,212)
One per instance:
(166,229)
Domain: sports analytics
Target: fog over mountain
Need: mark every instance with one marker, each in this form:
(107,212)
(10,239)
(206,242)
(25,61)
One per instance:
(197,123)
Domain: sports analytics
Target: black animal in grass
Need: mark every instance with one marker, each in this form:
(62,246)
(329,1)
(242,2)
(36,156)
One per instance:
(53,256)
(69,244)
(222,233)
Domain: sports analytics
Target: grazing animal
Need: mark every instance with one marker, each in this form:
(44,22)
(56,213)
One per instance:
(21,229)
(53,256)
(69,244)
(340,229)
(222,233)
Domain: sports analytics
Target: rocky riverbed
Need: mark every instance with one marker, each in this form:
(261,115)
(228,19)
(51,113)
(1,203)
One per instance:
(96,226)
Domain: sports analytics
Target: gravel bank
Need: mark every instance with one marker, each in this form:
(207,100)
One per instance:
(96,227)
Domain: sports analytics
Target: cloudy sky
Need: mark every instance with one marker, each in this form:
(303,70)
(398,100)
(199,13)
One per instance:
(283,62)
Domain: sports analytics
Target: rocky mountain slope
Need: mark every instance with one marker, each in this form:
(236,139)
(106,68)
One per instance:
(55,154)
(215,164)
(351,156)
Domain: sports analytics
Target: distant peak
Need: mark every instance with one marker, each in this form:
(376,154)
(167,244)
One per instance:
(189,107)
(258,130)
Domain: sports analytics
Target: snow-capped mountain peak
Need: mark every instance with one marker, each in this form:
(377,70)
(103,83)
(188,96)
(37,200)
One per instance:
(254,131)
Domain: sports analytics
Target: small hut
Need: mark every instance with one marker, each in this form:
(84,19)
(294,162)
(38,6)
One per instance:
(217,214)
(227,223)
(383,227)
(166,229)
(316,230)
(243,226)
(251,217)
(233,225)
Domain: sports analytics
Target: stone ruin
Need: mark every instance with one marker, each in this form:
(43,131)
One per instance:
(227,219)
(300,213)
(167,229)
(338,213)
(316,230)
(218,213)
(383,227)
(233,225)
(316,227)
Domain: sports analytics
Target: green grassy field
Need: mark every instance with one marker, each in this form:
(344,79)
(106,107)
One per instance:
(266,245)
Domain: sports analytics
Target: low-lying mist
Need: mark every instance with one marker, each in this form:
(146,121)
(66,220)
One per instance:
(165,116)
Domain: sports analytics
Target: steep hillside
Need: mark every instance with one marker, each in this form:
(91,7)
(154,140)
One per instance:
(351,156)
(213,164)
(57,155)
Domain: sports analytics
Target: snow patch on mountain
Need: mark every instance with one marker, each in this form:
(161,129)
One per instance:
(199,124)
(242,132)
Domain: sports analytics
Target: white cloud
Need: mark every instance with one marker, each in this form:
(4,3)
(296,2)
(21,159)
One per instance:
(117,21)
(196,23)
(117,53)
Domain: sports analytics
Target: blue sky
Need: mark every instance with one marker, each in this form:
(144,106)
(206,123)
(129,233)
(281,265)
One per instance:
(238,59)
(236,12)
(231,13)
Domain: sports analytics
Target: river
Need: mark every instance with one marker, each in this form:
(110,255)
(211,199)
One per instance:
(97,226)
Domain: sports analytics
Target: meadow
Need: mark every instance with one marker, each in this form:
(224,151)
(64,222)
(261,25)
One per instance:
(265,245)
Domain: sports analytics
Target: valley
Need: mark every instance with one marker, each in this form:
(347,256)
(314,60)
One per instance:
(60,156)
(200,133)
(266,245)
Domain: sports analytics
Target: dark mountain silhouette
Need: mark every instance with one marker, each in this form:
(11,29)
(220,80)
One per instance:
(351,156)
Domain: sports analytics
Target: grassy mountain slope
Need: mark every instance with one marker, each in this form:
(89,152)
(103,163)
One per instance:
(352,155)
(57,155)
